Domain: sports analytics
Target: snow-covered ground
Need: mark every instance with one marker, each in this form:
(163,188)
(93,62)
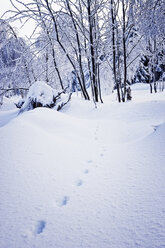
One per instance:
(84,177)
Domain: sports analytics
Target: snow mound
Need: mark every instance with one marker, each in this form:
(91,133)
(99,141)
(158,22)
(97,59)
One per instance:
(84,177)
(40,95)
(140,86)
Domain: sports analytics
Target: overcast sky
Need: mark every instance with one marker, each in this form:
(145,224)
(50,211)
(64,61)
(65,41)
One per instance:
(27,30)
(5,5)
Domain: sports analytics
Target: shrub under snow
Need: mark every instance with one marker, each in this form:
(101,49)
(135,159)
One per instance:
(40,95)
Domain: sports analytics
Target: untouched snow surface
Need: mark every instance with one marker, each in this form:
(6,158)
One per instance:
(86,177)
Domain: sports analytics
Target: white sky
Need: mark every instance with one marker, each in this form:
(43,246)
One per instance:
(5,5)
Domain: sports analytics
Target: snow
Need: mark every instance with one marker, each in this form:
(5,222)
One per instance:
(84,177)
(39,92)
(8,110)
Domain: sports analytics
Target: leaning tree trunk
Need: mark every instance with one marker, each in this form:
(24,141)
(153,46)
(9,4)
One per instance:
(52,49)
(64,50)
(79,51)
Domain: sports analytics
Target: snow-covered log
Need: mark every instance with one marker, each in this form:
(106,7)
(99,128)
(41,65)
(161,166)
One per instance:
(42,95)
(61,105)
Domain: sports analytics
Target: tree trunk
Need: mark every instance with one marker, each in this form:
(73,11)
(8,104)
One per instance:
(64,50)
(99,86)
(124,50)
(79,51)
(46,62)
(114,50)
(52,48)
(92,51)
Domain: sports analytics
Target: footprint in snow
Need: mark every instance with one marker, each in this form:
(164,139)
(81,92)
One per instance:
(34,230)
(86,171)
(101,155)
(41,224)
(89,161)
(62,202)
(79,183)
(104,149)
(155,127)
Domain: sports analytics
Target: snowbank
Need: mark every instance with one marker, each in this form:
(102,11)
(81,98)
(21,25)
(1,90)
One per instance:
(84,177)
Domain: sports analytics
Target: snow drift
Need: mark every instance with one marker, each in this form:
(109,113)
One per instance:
(84,177)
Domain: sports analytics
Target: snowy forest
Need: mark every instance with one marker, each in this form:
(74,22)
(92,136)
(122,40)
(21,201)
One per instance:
(98,44)
(82,124)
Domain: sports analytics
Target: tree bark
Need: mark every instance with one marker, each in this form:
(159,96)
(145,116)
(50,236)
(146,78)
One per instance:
(124,50)
(114,50)
(52,48)
(79,51)
(64,50)
(92,51)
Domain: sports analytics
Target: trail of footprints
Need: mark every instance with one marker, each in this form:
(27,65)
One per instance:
(41,225)
(80,182)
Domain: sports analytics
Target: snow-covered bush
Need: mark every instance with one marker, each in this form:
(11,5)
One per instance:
(42,95)
(20,103)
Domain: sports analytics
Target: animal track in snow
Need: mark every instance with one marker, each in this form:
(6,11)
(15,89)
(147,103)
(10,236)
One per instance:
(41,224)
(155,127)
(89,161)
(101,155)
(79,182)
(86,171)
(63,201)
(35,229)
